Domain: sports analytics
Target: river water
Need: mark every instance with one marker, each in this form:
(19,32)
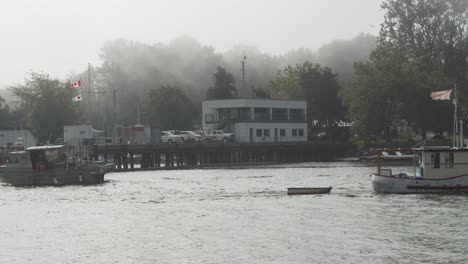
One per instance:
(231,216)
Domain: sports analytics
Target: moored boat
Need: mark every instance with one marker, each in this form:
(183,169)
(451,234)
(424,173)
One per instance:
(308,190)
(437,169)
(440,169)
(53,165)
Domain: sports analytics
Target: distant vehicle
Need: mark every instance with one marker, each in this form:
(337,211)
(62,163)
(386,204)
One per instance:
(219,135)
(322,134)
(167,137)
(173,132)
(190,136)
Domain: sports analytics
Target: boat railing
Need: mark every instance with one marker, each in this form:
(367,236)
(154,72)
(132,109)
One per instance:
(384,152)
(386,172)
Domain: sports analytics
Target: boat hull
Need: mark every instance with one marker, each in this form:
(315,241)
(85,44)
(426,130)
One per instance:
(305,190)
(394,184)
(25,176)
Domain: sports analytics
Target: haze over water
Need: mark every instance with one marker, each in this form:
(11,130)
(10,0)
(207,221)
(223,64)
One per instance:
(231,216)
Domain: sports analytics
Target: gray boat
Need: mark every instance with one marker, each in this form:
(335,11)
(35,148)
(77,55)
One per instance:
(54,165)
(308,190)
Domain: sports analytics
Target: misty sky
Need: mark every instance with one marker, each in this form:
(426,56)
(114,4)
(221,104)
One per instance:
(62,36)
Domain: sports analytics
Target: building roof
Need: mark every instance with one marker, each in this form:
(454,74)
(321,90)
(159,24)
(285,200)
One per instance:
(267,103)
(45,147)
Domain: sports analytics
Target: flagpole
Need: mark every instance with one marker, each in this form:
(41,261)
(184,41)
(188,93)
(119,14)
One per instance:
(455,122)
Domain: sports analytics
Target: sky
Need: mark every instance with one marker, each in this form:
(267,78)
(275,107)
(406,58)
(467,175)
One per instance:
(60,37)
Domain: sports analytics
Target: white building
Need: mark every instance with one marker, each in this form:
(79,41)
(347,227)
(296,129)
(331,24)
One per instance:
(257,120)
(84,135)
(21,137)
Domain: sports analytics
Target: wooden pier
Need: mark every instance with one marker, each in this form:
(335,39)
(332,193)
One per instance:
(190,155)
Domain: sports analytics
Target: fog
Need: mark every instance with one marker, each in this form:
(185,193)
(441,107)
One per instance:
(60,37)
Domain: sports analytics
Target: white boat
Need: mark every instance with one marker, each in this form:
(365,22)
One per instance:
(54,165)
(441,169)
(437,169)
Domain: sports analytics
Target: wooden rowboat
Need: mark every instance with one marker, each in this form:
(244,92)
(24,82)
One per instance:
(305,190)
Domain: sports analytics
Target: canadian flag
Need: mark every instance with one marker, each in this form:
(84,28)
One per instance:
(77,98)
(76,84)
(442,95)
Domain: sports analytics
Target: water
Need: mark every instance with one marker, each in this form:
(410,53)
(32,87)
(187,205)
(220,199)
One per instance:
(231,216)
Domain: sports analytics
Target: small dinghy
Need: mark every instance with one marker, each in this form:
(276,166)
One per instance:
(306,190)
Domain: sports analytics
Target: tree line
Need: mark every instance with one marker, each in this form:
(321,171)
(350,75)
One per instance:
(374,84)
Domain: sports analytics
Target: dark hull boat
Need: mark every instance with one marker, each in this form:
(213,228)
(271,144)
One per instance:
(53,166)
(307,190)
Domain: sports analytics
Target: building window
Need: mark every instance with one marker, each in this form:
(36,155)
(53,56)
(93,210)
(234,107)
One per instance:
(259,132)
(435,160)
(301,132)
(282,132)
(266,132)
(449,160)
(294,132)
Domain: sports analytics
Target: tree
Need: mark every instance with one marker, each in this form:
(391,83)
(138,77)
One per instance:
(260,93)
(421,48)
(6,120)
(47,106)
(430,32)
(318,86)
(287,84)
(224,85)
(170,108)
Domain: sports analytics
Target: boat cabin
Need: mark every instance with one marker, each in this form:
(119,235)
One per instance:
(59,156)
(442,162)
(48,157)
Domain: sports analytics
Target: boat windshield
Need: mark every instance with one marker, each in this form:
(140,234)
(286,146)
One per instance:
(59,156)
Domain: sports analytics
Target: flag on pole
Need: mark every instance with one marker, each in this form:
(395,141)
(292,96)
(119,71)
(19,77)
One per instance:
(77,98)
(441,95)
(76,84)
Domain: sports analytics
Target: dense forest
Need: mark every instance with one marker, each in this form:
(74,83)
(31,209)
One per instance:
(374,83)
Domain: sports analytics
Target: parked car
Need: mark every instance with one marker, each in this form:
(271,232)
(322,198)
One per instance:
(190,136)
(167,137)
(219,135)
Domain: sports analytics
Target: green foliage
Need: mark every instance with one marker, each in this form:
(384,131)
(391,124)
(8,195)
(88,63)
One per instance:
(287,84)
(46,105)
(422,47)
(169,108)
(6,118)
(224,86)
(260,93)
(317,85)
(430,32)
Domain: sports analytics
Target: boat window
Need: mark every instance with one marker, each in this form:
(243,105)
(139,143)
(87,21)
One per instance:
(449,159)
(435,160)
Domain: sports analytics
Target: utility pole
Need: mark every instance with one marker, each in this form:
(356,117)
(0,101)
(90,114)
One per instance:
(115,122)
(243,62)
(138,109)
